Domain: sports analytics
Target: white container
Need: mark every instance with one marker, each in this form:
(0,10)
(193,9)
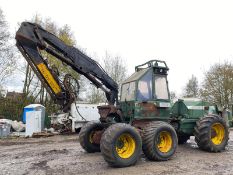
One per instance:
(33,107)
(82,113)
(35,119)
(88,112)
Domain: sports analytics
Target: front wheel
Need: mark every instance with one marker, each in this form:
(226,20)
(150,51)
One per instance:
(121,145)
(159,141)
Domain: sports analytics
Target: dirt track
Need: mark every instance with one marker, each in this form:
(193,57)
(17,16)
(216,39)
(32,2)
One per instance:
(63,155)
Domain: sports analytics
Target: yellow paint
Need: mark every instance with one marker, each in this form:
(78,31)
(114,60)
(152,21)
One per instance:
(49,78)
(165,142)
(217,133)
(91,137)
(125,146)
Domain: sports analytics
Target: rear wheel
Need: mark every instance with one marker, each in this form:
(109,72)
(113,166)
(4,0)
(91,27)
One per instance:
(211,133)
(159,141)
(121,145)
(87,136)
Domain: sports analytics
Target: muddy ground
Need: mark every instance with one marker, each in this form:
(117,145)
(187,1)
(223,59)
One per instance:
(63,155)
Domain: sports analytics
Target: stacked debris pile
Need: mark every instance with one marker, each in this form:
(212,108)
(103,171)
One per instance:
(15,125)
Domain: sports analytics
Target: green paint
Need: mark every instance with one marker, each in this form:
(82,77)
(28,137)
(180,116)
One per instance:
(139,100)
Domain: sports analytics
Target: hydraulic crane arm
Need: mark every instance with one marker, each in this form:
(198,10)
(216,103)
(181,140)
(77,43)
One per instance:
(31,39)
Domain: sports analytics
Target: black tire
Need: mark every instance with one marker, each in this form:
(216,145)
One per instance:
(110,143)
(182,139)
(152,137)
(204,133)
(85,134)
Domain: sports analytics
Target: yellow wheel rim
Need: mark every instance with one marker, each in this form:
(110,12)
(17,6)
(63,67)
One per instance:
(165,142)
(91,137)
(217,133)
(125,146)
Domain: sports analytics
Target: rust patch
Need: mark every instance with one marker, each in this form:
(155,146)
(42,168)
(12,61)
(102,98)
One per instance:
(97,136)
(106,110)
(148,109)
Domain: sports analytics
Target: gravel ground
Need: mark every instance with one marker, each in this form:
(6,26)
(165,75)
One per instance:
(63,155)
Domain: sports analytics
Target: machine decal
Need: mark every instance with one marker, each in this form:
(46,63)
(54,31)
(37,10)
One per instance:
(164,105)
(49,78)
(196,107)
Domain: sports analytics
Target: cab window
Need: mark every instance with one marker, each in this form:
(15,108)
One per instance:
(128,91)
(161,90)
(145,87)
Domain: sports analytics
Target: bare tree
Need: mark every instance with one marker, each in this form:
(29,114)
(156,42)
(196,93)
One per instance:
(2,92)
(191,88)
(7,57)
(116,69)
(218,85)
(173,96)
(95,95)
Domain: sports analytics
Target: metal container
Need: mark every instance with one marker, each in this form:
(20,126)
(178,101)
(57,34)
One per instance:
(5,129)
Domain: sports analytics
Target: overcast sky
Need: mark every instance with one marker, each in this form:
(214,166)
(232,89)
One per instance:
(188,35)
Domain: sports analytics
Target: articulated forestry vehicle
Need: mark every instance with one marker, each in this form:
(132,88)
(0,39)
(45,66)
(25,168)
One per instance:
(143,119)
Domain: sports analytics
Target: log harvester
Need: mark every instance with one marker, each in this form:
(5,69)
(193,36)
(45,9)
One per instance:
(144,118)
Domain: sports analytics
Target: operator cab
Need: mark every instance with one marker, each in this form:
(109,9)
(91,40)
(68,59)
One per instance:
(148,86)
(149,82)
